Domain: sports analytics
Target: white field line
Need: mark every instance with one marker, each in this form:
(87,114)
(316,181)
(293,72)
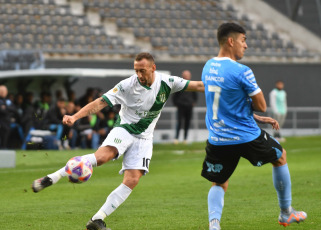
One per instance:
(302,149)
(26,170)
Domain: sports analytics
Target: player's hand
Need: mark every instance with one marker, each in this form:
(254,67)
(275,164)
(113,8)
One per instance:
(275,124)
(267,120)
(68,120)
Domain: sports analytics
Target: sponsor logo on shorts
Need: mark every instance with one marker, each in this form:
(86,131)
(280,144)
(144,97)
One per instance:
(216,168)
(117,140)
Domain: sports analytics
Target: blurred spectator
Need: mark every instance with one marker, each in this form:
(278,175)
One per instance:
(58,94)
(87,97)
(71,96)
(85,126)
(278,103)
(29,119)
(9,120)
(41,109)
(70,132)
(18,102)
(93,128)
(105,122)
(16,115)
(4,118)
(21,120)
(88,136)
(53,120)
(184,101)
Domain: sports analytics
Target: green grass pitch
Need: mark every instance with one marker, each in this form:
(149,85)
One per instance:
(172,196)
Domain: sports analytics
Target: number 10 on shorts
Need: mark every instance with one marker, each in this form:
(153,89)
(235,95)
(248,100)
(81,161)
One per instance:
(146,162)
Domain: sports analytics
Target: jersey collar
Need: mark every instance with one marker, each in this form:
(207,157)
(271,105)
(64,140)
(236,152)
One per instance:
(145,86)
(222,58)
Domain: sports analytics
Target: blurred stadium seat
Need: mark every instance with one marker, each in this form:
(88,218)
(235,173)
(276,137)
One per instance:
(306,13)
(174,27)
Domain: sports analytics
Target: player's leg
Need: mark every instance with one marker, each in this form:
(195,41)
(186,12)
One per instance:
(216,204)
(135,164)
(265,149)
(120,194)
(219,164)
(101,156)
(114,145)
(282,184)
(179,115)
(281,123)
(187,120)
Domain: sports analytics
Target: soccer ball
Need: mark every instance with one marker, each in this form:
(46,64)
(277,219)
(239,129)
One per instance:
(79,169)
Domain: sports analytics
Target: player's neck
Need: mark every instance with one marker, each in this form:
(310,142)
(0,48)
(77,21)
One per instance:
(226,53)
(149,84)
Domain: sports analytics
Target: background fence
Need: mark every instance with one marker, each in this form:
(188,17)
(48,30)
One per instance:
(300,121)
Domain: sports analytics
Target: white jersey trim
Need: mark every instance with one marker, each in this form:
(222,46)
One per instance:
(255,92)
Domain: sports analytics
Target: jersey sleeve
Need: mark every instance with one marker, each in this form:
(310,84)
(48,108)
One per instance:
(272,96)
(176,83)
(117,94)
(248,82)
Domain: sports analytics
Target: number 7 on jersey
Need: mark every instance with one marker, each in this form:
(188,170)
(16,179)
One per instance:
(217,94)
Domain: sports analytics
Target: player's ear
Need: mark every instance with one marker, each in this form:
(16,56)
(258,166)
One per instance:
(230,41)
(154,67)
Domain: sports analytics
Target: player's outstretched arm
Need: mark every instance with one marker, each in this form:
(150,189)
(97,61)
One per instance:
(258,102)
(197,86)
(267,120)
(91,108)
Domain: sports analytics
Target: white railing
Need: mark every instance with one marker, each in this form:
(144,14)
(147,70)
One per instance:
(299,121)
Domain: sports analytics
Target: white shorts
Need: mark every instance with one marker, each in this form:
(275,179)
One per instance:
(137,151)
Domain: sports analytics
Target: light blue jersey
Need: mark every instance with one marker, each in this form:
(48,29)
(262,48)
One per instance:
(228,87)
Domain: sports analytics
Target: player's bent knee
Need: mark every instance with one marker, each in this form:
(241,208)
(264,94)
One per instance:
(131,182)
(131,178)
(105,154)
(281,161)
(224,185)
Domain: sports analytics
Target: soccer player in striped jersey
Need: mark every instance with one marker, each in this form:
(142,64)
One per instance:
(142,98)
(232,94)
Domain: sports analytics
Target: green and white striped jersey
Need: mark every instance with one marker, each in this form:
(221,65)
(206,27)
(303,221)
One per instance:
(141,105)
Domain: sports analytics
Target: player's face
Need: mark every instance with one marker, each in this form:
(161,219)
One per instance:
(239,46)
(145,71)
(280,85)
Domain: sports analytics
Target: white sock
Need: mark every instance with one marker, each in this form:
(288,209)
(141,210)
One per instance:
(56,176)
(92,159)
(114,200)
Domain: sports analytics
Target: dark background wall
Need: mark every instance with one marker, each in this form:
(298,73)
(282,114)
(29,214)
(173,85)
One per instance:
(302,81)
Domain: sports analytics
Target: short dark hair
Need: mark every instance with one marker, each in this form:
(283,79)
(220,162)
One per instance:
(145,55)
(226,29)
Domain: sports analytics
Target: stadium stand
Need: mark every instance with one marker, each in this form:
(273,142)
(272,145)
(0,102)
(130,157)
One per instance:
(185,27)
(168,28)
(21,59)
(45,26)
(302,12)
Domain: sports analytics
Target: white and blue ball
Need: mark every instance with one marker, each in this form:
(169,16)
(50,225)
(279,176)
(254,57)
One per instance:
(79,169)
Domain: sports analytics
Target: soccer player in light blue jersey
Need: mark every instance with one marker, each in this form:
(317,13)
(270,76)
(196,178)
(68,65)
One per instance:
(232,95)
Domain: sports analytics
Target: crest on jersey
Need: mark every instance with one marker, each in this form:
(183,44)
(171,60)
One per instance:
(115,90)
(162,97)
